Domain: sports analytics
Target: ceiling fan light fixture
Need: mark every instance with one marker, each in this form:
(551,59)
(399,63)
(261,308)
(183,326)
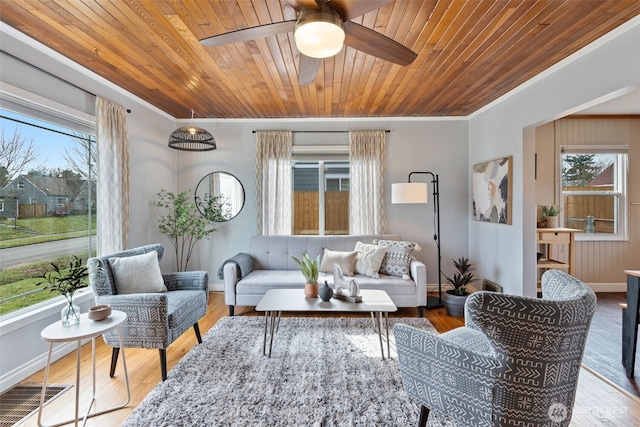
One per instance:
(319,34)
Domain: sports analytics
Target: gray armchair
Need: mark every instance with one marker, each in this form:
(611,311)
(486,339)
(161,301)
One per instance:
(515,363)
(154,320)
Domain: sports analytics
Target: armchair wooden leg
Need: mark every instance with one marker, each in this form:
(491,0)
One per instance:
(424,415)
(163,363)
(115,351)
(231,309)
(420,311)
(196,328)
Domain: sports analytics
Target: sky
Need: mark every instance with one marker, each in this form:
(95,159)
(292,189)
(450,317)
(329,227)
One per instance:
(51,145)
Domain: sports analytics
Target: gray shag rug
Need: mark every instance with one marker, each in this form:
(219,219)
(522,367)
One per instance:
(322,372)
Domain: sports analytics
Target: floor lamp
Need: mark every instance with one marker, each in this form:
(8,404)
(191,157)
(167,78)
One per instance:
(418,192)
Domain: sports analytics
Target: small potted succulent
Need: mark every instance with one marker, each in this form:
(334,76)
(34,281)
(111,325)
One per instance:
(66,282)
(309,268)
(455,298)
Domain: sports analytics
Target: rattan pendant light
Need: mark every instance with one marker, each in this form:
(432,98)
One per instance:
(191,138)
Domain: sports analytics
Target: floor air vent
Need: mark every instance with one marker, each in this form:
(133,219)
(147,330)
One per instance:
(23,400)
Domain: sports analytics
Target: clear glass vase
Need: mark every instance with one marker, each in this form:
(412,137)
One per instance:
(70,313)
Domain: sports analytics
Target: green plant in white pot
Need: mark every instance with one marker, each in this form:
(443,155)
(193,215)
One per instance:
(309,268)
(455,298)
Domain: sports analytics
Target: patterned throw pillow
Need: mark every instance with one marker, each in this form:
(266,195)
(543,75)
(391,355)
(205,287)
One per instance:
(369,259)
(397,258)
(137,274)
(344,259)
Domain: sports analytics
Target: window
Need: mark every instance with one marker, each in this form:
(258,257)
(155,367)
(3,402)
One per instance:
(321,197)
(56,172)
(594,191)
(1,205)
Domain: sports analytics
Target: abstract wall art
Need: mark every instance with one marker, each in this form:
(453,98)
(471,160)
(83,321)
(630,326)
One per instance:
(492,182)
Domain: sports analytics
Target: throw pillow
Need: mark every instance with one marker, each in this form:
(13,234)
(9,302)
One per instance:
(397,258)
(344,259)
(137,274)
(369,259)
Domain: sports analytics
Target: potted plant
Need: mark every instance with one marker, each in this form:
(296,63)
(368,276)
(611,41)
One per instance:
(455,298)
(66,282)
(309,268)
(184,225)
(550,213)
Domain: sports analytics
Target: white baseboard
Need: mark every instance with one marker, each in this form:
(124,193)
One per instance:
(608,287)
(216,287)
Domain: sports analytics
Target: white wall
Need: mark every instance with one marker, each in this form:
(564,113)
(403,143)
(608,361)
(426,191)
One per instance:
(434,145)
(611,65)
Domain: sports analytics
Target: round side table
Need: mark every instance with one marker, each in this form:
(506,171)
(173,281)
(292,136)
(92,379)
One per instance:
(87,328)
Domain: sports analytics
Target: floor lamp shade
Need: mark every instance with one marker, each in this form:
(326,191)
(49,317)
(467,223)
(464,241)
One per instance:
(409,192)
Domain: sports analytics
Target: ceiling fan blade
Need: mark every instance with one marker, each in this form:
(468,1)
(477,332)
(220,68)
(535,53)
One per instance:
(247,34)
(349,9)
(308,69)
(377,44)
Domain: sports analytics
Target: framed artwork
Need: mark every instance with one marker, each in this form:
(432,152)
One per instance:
(488,285)
(492,182)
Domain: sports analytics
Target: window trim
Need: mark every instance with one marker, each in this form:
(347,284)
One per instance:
(620,191)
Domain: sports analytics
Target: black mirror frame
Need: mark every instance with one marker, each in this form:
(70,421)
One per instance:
(244,194)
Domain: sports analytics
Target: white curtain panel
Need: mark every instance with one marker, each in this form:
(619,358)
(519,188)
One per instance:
(366,195)
(273,182)
(113,177)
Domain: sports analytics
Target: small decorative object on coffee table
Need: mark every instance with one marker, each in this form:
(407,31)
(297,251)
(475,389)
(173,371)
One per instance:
(325,292)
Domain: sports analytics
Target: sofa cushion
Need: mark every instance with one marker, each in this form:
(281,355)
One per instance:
(397,258)
(369,259)
(345,260)
(137,274)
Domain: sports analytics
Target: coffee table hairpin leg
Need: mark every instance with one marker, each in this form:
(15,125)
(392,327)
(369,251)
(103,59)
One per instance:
(272,327)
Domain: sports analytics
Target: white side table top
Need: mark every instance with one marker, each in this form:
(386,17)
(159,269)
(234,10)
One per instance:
(87,328)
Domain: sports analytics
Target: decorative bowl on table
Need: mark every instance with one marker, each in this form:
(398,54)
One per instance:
(99,312)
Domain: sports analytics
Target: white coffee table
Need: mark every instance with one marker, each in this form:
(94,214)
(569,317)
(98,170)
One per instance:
(276,301)
(87,328)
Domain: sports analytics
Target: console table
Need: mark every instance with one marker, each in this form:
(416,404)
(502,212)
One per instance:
(87,328)
(629,340)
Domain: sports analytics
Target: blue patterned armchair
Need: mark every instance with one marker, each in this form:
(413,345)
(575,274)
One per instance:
(515,363)
(154,319)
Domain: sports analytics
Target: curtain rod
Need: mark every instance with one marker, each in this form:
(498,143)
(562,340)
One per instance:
(322,131)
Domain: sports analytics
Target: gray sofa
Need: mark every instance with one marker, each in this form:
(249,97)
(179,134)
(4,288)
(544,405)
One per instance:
(271,266)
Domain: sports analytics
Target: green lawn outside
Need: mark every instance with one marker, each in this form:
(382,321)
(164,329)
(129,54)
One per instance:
(23,279)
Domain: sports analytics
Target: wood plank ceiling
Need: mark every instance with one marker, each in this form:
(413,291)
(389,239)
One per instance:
(469,52)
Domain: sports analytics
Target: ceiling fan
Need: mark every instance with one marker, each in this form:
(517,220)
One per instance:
(321,32)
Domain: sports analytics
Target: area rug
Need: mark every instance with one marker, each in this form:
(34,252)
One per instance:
(322,372)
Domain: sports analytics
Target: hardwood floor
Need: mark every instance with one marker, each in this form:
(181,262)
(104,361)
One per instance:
(597,403)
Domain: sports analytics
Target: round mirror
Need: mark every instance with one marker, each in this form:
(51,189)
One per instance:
(219,196)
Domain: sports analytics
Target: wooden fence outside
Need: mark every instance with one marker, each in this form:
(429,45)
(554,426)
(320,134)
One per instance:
(577,208)
(32,211)
(306,216)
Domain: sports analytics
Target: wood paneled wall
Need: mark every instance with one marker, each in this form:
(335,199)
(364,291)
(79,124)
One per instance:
(604,261)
